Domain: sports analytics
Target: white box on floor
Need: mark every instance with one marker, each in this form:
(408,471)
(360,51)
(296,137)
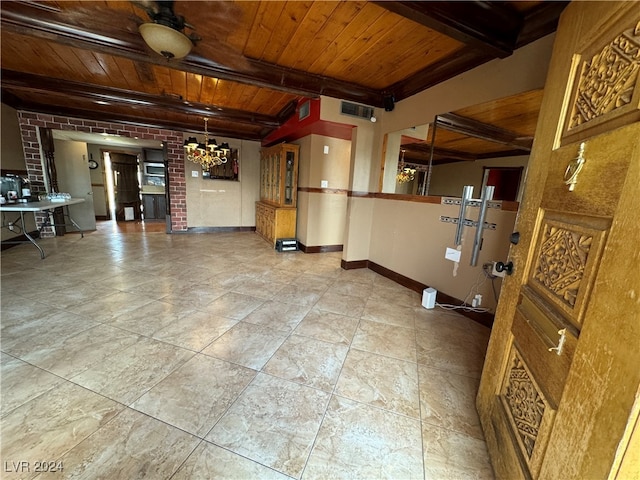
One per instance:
(429,297)
(128,213)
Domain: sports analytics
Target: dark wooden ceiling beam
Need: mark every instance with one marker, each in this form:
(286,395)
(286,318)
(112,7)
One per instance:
(484,33)
(141,121)
(541,21)
(48,24)
(97,93)
(483,131)
(488,26)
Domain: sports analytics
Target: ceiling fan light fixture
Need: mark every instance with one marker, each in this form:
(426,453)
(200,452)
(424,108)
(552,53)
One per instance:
(165,40)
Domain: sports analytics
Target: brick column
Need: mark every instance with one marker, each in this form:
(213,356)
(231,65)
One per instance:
(177,182)
(29,122)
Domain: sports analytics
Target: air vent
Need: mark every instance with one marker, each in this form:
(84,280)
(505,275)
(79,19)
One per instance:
(355,110)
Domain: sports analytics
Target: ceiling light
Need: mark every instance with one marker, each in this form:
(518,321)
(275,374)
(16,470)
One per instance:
(208,153)
(165,40)
(405,174)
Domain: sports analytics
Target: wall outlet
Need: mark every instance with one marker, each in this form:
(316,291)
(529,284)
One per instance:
(477,301)
(324,183)
(194,173)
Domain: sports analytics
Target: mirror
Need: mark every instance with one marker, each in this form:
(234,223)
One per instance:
(486,144)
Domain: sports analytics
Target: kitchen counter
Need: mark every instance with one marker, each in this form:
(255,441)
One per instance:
(152,189)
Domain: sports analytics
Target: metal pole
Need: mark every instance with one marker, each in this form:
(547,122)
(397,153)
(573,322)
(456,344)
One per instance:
(427,182)
(487,196)
(467,193)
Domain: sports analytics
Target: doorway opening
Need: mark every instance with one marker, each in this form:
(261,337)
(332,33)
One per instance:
(506,181)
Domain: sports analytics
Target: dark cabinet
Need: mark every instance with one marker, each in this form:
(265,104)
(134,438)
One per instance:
(155,206)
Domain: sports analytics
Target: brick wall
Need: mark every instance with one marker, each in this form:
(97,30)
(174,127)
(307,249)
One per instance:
(176,175)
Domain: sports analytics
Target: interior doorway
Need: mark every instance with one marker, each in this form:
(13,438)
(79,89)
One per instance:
(506,181)
(125,181)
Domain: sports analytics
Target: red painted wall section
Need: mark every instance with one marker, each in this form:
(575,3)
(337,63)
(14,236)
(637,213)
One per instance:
(294,128)
(29,122)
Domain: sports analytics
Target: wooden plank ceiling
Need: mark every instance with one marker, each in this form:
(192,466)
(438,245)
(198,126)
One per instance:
(499,128)
(254,61)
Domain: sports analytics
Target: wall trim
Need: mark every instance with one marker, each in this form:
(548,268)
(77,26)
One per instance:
(319,248)
(353,264)
(218,229)
(337,191)
(485,318)
(404,197)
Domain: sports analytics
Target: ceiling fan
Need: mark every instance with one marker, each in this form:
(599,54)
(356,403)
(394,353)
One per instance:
(165,33)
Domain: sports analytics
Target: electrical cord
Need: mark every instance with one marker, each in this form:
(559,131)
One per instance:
(480,280)
(465,308)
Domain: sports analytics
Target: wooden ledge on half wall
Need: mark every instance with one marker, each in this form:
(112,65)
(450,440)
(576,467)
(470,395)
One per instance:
(507,205)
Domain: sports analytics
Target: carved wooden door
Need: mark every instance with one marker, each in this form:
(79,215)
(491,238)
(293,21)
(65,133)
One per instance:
(558,395)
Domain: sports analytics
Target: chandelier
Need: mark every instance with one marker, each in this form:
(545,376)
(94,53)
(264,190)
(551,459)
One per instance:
(207,154)
(405,174)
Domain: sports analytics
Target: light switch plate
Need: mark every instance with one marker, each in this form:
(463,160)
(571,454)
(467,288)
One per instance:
(325,150)
(452,254)
(194,173)
(324,183)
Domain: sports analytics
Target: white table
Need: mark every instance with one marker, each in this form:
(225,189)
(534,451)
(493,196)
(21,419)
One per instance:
(41,206)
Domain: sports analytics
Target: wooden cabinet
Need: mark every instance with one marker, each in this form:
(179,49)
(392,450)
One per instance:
(276,211)
(155,206)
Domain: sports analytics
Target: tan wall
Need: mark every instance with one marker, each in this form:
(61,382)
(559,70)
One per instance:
(357,235)
(448,180)
(322,215)
(523,71)
(365,138)
(409,238)
(12,158)
(223,203)
(11,154)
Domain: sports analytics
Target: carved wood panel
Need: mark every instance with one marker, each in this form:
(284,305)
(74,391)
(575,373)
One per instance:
(565,262)
(608,78)
(525,404)
(527,411)
(561,262)
(606,84)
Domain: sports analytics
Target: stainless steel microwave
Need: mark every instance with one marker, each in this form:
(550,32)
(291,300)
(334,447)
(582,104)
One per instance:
(153,169)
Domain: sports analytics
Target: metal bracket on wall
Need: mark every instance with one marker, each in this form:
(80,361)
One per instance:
(467,223)
(470,203)
(461,222)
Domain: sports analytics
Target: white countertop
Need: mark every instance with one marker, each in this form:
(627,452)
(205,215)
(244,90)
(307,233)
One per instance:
(37,206)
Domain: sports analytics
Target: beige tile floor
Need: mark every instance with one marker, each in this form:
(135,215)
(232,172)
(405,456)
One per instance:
(146,355)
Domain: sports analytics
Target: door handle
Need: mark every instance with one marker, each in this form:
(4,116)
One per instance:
(505,267)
